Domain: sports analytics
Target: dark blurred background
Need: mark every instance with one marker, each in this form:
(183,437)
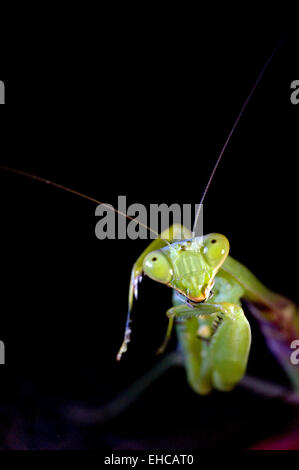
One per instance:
(143,113)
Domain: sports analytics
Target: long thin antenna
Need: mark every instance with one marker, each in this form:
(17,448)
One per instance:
(232,131)
(73,191)
(134,282)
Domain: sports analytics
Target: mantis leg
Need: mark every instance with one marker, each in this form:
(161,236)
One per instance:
(220,362)
(174,232)
(163,346)
(277,315)
(182,312)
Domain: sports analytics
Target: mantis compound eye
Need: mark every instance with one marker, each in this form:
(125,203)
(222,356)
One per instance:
(216,248)
(157,267)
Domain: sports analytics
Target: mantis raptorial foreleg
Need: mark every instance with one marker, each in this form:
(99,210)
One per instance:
(223,358)
(182,312)
(175,232)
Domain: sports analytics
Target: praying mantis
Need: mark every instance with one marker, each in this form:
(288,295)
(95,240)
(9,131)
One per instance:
(208,287)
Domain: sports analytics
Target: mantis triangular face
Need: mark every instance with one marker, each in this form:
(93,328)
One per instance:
(188,266)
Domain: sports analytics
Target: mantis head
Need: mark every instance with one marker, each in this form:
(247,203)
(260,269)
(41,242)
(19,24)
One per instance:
(188,266)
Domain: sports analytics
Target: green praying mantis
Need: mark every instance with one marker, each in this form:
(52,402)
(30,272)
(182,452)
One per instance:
(208,289)
(212,329)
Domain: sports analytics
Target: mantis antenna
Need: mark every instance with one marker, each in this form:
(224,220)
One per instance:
(77,193)
(231,133)
(89,198)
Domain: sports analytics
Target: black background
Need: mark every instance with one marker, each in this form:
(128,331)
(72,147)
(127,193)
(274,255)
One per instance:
(143,114)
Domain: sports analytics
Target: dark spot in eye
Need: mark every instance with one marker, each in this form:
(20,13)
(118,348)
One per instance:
(154,259)
(213,241)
